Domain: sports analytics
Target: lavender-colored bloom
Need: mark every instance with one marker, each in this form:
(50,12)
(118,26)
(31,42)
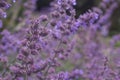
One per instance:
(14,1)
(57,46)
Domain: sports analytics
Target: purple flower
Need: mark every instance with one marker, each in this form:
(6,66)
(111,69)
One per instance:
(57,45)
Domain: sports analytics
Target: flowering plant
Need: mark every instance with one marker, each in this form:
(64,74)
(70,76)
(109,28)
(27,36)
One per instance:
(58,46)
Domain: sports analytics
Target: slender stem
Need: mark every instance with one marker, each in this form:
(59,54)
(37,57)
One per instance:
(26,76)
(53,58)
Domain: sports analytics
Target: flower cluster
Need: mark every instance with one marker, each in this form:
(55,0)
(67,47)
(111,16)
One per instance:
(59,46)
